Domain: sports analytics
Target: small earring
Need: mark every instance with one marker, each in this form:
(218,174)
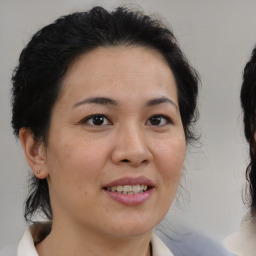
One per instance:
(38,171)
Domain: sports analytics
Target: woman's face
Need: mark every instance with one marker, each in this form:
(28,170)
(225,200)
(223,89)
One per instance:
(116,143)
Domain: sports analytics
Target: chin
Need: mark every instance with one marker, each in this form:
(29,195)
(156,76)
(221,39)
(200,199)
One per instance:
(133,228)
(136,232)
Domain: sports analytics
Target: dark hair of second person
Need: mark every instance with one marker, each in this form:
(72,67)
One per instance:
(248,102)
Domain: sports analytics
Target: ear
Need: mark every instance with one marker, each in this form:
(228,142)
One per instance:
(34,152)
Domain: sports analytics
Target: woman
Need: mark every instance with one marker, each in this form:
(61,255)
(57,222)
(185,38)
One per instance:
(103,104)
(243,242)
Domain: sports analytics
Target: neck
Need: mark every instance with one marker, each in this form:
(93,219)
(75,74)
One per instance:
(69,240)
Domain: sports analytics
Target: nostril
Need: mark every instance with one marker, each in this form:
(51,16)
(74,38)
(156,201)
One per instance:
(125,160)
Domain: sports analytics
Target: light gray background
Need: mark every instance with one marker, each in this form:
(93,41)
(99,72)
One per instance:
(217,37)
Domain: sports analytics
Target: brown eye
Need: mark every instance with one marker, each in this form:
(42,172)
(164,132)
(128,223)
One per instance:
(158,120)
(97,120)
(155,120)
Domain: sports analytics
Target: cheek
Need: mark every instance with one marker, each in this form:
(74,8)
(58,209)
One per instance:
(77,164)
(74,169)
(170,162)
(171,156)
(79,153)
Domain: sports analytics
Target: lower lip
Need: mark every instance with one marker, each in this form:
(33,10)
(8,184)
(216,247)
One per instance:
(130,200)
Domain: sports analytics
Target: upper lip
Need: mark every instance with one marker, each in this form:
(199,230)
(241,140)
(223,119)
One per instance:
(141,180)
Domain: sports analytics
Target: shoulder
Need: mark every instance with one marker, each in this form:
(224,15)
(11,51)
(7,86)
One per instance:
(193,244)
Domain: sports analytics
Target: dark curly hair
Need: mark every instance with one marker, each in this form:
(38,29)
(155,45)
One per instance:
(248,102)
(44,61)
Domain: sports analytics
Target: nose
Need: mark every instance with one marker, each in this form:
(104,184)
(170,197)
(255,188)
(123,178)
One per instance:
(131,147)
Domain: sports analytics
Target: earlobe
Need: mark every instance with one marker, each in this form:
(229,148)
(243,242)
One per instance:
(34,152)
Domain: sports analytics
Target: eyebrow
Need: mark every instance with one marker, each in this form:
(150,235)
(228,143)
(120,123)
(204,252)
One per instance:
(108,101)
(97,100)
(160,100)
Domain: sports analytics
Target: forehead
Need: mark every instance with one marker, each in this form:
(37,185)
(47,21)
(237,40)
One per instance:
(118,59)
(135,66)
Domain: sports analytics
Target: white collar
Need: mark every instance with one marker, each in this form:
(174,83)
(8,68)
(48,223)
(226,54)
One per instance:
(159,248)
(26,245)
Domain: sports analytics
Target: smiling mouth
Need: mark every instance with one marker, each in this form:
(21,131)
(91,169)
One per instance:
(128,189)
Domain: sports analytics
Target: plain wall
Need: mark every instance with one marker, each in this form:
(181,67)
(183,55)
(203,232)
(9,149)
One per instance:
(217,37)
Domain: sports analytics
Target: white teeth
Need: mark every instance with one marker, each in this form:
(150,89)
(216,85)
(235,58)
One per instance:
(136,189)
(128,189)
(119,188)
(113,189)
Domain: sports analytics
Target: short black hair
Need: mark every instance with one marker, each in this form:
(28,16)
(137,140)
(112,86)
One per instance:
(248,103)
(46,58)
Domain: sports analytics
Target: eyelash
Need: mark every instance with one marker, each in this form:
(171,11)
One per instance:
(167,119)
(105,118)
(87,119)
